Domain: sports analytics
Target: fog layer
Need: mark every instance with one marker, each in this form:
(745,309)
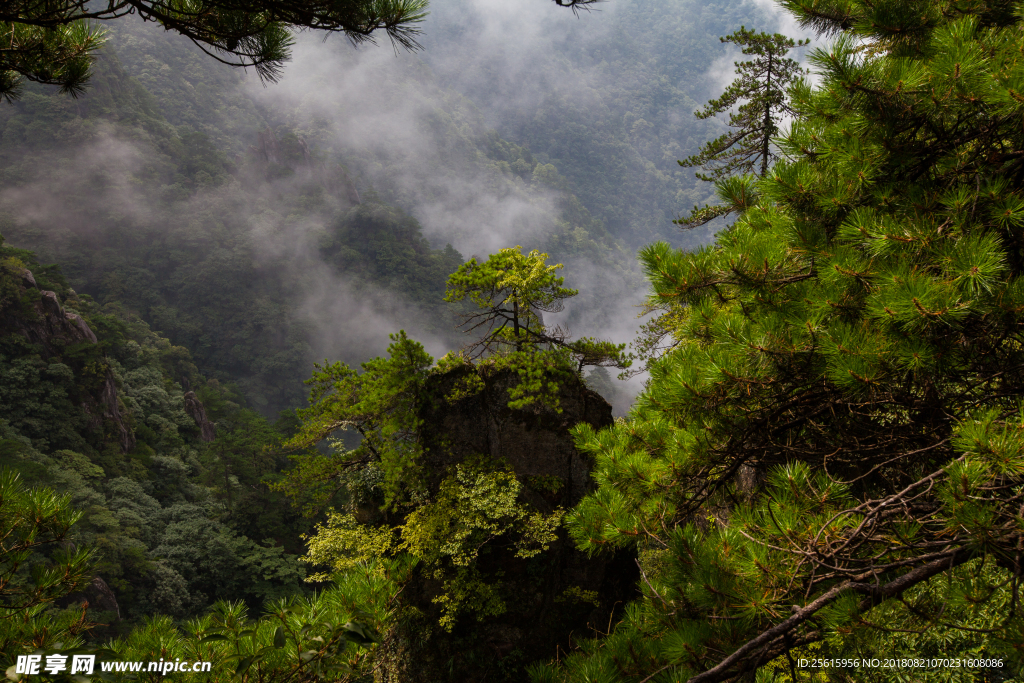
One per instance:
(177,183)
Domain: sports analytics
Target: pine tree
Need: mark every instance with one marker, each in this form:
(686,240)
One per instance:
(835,443)
(54,42)
(761,86)
(511,291)
(38,566)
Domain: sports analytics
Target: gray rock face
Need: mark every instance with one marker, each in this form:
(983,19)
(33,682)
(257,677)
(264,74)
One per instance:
(535,441)
(542,614)
(53,327)
(113,411)
(194,408)
(29,279)
(97,594)
(82,326)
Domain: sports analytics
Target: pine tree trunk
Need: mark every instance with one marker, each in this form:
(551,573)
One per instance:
(766,134)
(515,324)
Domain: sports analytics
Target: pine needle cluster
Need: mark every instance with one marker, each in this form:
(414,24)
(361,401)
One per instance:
(53,41)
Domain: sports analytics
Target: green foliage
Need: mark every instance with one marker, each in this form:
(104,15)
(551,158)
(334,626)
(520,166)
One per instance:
(380,404)
(541,375)
(511,291)
(38,565)
(379,244)
(761,84)
(407,517)
(472,506)
(55,45)
(476,505)
(59,55)
(948,614)
(830,449)
(172,521)
(38,398)
(342,543)
(324,637)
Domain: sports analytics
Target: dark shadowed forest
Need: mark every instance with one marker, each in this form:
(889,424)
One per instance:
(488,341)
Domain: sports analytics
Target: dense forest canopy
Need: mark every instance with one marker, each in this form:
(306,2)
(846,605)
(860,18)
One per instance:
(824,462)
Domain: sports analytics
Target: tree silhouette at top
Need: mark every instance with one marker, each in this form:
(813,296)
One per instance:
(54,41)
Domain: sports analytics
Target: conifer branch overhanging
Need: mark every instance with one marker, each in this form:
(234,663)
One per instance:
(54,41)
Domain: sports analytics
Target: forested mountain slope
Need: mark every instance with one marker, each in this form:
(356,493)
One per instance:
(209,249)
(607,97)
(263,229)
(181,496)
(98,406)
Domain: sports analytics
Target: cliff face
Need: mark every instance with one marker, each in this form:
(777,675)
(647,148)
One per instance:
(37,315)
(535,441)
(553,598)
(196,410)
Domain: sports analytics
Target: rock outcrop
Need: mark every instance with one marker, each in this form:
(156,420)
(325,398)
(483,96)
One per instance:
(42,321)
(194,408)
(555,597)
(97,594)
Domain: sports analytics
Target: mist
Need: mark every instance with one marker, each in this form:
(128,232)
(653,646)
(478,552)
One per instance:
(428,132)
(381,115)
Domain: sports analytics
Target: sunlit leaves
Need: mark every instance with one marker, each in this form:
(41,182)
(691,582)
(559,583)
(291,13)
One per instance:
(511,291)
(342,543)
(511,278)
